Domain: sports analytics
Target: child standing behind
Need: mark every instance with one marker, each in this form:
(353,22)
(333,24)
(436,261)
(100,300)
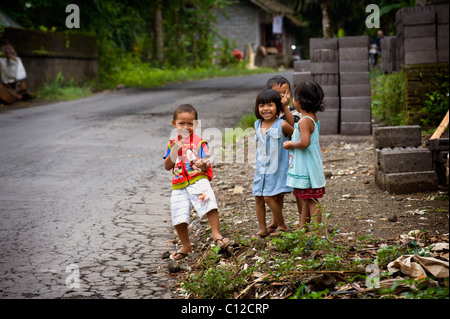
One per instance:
(269,184)
(188,158)
(283,87)
(305,172)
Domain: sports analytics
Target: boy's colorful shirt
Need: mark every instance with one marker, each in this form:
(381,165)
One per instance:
(192,150)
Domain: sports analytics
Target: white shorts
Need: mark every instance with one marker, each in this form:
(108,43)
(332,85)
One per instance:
(198,195)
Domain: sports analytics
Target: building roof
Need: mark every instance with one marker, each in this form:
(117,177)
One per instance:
(7,22)
(274,7)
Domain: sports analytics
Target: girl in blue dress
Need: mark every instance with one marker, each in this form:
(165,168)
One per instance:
(305,173)
(272,160)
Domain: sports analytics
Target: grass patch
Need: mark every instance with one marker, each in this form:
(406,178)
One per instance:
(132,72)
(62,90)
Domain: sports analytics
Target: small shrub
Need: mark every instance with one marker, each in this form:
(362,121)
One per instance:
(388,92)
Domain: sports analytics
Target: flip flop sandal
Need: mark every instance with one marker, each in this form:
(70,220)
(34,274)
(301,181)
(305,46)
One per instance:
(175,253)
(271,231)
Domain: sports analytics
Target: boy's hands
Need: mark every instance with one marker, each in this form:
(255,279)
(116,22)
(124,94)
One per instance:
(284,99)
(202,164)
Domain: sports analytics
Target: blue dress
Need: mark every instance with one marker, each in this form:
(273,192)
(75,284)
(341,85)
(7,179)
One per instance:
(272,161)
(306,169)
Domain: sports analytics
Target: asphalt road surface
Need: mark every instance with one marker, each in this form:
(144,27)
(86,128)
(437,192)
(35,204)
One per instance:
(84,197)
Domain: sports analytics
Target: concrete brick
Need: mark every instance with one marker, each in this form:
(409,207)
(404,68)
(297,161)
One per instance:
(356,128)
(329,121)
(302,65)
(331,103)
(380,180)
(438,144)
(324,55)
(420,44)
(442,56)
(418,18)
(411,182)
(440,157)
(420,57)
(354,42)
(355,102)
(419,31)
(325,68)
(356,115)
(354,66)
(326,79)
(348,90)
(299,77)
(442,11)
(354,77)
(351,54)
(397,136)
(402,160)
(330,90)
(321,43)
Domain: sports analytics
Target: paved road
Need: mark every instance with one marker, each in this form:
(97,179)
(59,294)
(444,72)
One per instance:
(83,196)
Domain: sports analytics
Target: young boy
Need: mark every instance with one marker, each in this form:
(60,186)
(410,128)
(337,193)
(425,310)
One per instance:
(189,159)
(283,87)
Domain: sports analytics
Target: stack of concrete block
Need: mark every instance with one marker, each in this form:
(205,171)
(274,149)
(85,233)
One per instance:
(422,34)
(402,165)
(389,54)
(442,32)
(439,148)
(302,72)
(354,86)
(325,71)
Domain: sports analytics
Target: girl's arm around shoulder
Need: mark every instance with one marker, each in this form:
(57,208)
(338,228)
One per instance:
(305,128)
(288,115)
(287,128)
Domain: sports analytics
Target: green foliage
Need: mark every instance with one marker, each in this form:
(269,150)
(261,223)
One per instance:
(303,293)
(386,255)
(59,89)
(388,93)
(247,121)
(436,104)
(214,281)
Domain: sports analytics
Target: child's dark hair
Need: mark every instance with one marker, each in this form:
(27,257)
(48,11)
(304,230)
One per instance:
(277,80)
(310,95)
(185,108)
(266,96)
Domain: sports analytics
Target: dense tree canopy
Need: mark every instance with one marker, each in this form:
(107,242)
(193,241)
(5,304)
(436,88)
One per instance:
(179,33)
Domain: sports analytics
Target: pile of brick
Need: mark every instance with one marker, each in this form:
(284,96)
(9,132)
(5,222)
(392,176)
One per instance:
(402,165)
(355,85)
(325,71)
(341,67)
(389,61)
(422,34)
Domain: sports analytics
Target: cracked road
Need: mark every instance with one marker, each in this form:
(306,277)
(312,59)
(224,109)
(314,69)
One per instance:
(84,198)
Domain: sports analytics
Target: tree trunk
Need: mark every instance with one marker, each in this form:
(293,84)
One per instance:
(326,23)
(159,35)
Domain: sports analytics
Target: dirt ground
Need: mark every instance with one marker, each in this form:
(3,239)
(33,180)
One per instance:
(358,206)
(359,210)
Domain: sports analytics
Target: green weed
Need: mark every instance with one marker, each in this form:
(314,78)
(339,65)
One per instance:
(62,90)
